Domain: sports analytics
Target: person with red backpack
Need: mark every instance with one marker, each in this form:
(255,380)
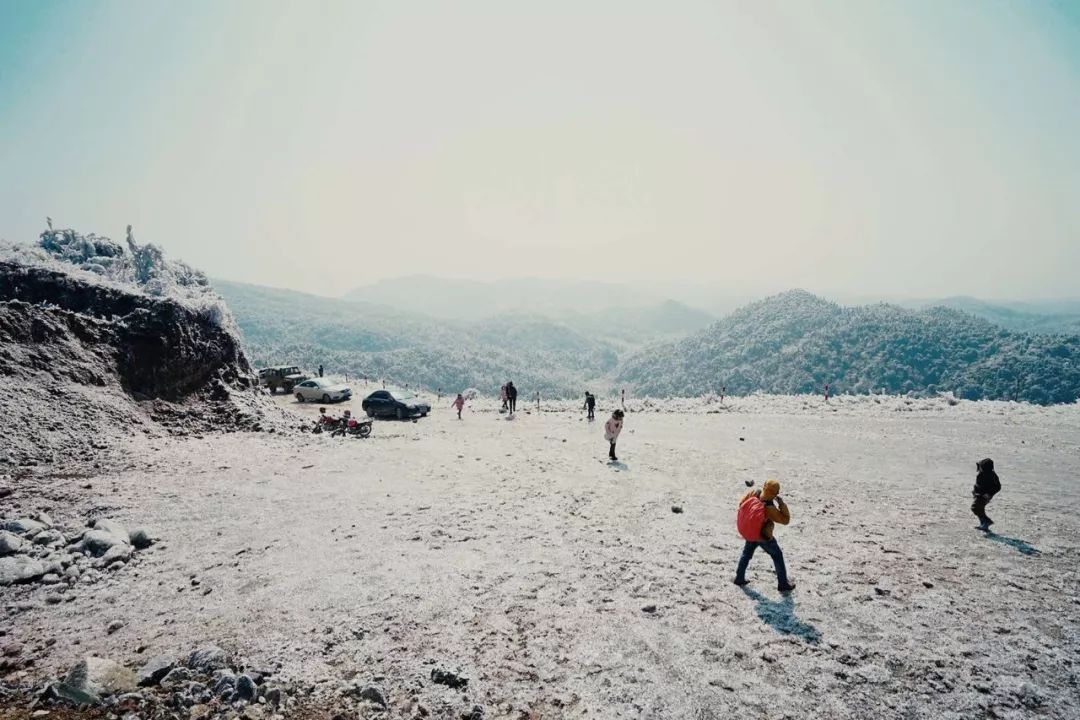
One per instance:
(759,511)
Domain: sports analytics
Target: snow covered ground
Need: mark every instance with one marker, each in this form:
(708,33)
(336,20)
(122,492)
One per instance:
(564,586)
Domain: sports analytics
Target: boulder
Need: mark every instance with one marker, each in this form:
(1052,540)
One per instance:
(97,542)
(19,569)
(94,678)
(245,688)
(23,526)
(140,539)
(112,527)
(373,693)
(118,552)
(208,659)
(153,671)
(10,543)
(49,537)
(176,676)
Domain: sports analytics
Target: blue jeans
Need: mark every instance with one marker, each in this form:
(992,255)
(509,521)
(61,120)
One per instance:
(773,548)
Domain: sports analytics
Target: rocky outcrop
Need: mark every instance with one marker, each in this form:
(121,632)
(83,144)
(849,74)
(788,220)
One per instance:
(90,361)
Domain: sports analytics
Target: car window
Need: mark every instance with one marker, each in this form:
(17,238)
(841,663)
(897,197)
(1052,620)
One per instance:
(381,395)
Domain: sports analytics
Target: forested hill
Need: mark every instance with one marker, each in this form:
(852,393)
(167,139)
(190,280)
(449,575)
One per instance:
(796,342)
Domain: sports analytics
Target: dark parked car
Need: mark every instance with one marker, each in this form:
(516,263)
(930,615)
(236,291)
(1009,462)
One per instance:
(399,404)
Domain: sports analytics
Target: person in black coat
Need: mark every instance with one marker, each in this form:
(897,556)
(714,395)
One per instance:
(511,396)
(987,485)
(590,404)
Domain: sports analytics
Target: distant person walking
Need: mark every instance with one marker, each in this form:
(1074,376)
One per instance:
(459,403)
(590,405)
(503,397)
(987,485)
(511,396)
(759,511)
(612,428)
(826,392)
(320,370)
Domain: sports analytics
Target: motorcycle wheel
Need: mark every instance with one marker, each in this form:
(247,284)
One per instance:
(365,430)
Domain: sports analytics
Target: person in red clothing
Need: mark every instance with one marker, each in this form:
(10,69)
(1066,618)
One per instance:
(776,511)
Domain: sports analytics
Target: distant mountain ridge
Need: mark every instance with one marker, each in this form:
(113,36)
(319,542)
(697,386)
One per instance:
(554,356)
(796,342)
(1059,317)
(477,300)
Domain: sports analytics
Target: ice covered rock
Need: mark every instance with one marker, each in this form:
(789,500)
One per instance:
(23,526)
(98,542)
(94,678)
(19,569)
(10,543)
(208,659)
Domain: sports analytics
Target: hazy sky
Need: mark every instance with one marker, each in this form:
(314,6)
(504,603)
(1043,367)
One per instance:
(899,148)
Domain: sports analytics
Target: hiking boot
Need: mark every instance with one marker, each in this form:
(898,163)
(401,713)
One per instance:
(786,588)
(742,582)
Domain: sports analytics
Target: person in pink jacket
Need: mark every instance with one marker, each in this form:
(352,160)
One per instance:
(502,395)
(612,428)
(458,403)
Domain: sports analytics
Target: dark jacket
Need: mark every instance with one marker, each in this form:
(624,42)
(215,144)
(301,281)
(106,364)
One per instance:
(590,401)
(986,482)
(511,391)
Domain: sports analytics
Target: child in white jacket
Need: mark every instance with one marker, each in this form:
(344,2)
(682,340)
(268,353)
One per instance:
(612,428)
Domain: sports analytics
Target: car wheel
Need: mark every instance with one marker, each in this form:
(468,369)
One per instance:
(299,397)
(400,413)
(326,398)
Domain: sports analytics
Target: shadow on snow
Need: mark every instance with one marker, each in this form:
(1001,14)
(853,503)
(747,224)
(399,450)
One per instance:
(780,615)
(1021,546)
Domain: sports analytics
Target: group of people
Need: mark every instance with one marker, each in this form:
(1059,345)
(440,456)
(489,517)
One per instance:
(761,510)
(508,394)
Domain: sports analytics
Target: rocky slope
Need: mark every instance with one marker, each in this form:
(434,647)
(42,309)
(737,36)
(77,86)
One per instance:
(99,343)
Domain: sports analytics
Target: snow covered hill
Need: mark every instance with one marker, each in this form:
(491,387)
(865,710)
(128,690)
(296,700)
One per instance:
(796,342)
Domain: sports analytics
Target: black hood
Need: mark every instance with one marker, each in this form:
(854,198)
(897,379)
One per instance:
(985,465)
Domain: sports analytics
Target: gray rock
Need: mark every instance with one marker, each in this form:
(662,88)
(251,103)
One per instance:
(10,543)
(140,539)
(273,697)
(72,573)
(23,526)
(114,626)
(208,659)
(225,683)
(98,542)
(94,678)
(119,552)
(49,537)
(112,527)
(245,688)
(19,569)
(176,676)
(154,670)
(449,678)
(50,578)
(43,517)
(373,693)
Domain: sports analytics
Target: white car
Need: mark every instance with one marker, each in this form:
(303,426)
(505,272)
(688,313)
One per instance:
(321,389)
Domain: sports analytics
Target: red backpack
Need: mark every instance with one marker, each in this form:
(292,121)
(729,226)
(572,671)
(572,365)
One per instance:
(751,518)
